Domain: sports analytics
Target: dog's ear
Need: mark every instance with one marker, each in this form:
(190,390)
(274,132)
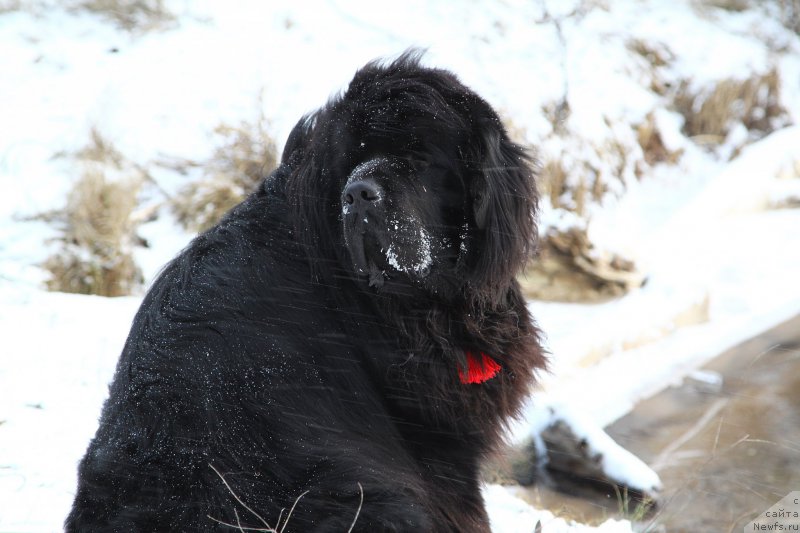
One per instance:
(298,140)
(504,203)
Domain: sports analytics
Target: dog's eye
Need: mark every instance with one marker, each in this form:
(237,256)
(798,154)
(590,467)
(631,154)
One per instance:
(419,161)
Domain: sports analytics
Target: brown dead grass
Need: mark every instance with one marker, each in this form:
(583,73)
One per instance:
(577,186)
(570,269)
(790,14)
(652,144)
(557,113)
(727,5)
(553,181)
(9,6)
(97,226)
(567,268)
(515,132)
(657,55)
(97,239)
(129,15)
(100,150)
(709,114)
(246,154)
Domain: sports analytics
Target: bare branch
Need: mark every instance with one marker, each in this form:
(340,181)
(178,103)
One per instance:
(288,516)
(358,511)
(269,528)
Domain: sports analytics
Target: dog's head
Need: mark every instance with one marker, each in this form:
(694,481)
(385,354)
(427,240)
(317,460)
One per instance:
(410,179)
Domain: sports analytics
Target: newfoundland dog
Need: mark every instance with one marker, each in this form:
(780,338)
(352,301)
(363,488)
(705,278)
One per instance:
(343,349)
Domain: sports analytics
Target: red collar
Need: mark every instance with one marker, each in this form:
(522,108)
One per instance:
(478,371)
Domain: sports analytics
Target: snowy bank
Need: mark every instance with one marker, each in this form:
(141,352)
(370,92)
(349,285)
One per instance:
(722,247)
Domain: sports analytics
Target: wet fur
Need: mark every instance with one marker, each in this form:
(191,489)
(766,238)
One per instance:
(259,352)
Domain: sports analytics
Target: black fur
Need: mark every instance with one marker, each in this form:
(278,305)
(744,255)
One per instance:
(298,355)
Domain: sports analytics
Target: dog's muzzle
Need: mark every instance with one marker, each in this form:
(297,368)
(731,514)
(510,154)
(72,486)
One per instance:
(363,217)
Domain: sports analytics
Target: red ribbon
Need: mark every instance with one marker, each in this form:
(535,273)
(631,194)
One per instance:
(478,371)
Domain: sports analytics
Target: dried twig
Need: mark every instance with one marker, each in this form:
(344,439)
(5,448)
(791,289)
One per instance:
(290,511)
(711,412)
(268,527)
(358,511)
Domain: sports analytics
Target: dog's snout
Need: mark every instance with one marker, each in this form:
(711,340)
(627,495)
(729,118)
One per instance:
(361,194)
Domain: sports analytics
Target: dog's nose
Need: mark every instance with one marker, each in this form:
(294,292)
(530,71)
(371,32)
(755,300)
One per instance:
(361,194)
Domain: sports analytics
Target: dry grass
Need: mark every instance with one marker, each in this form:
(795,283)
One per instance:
(652,144)
(657,55)
(572,195)
(709,114)
(632,508)
(515,132)
(281,522)
(97,226)
(9,6)
(787,11)
(553,182)
(790,14)
(100,150)
(557,113)
(247,153)
(727,5)
(575,184)
(575,171)
(129,15)
(97,238)
(569,269)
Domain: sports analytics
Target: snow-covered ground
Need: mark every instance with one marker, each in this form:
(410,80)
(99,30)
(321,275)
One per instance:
(698,229)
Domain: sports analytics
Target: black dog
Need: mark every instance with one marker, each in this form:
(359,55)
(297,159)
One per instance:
(343,348)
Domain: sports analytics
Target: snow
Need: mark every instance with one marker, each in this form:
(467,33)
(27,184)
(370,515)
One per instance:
(748,279)
(422,259)
(699,229)
(59,353)
(510,514)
